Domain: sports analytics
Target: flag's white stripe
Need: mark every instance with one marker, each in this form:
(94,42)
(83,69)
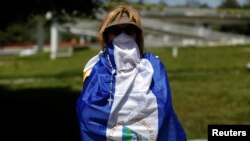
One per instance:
(134,105)
(91,62)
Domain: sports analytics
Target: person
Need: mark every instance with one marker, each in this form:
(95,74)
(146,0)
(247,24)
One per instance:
(126,93)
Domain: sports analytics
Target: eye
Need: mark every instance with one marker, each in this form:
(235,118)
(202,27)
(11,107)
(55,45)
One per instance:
(129,30)
(115,30)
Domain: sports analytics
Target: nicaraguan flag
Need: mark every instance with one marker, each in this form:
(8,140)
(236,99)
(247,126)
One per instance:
(126,105)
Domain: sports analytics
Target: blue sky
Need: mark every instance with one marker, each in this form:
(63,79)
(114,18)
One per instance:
(212,3)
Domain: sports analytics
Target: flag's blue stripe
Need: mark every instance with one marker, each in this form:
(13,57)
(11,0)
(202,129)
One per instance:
(170,128)
(92,106)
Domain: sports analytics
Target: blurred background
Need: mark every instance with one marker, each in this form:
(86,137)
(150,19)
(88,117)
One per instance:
(44,45)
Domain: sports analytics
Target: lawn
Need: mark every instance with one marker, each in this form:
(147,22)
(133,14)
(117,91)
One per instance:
(210,85)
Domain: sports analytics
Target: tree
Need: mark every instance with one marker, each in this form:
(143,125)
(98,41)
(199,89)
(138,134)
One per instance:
(247,4)
(229,4)
(18,18)
(12,11)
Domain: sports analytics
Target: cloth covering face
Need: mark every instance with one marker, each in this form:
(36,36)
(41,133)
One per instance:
(141,107)
(126,52)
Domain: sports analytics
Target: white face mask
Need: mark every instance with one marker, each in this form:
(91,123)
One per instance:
(126,52)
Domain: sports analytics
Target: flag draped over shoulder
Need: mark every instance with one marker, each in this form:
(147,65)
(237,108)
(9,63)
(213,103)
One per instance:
(139,108)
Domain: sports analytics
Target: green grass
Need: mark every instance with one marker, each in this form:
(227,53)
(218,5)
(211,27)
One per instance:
(209,85)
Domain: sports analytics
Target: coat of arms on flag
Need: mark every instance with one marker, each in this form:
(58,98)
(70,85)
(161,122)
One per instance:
(130,135)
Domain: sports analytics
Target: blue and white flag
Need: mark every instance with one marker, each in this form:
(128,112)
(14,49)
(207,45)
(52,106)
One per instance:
(127,104)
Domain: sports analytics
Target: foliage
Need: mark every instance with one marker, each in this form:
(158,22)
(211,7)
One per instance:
(19,19)
(113,3)
(20,11)
(18,33)
(247,5)
(229,4)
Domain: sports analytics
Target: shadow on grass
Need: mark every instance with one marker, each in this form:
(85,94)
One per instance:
(46,114)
